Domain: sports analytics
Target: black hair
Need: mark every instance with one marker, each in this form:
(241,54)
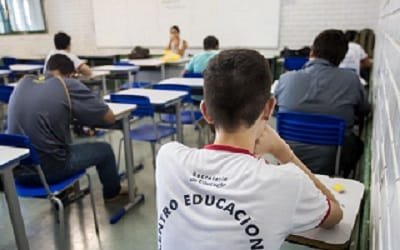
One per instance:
(330,45)
(62,40)
(237,86)
(210,42)
(175,27)
(351,35)
(61,63)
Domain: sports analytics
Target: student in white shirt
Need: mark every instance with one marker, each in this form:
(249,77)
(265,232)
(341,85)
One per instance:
(355,57)
(62,42)
(223,196)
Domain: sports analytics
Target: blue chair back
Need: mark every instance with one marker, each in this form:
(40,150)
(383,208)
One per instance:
(5,93)
(192,75)
(7,61)
(294,62)
(21,141)
(311,128)
(144,107)
(176,87)
(123,64)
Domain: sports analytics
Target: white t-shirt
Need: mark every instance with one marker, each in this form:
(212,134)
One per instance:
(353,57)
(74,58)
(222,197)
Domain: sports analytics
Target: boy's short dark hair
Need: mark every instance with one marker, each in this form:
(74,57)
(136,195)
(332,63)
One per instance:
(62,40)
(61,63)
(330,45)
(237,86)
(210,43)
(351,35)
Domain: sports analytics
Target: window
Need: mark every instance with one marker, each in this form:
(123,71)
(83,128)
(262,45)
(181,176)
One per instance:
(21,16)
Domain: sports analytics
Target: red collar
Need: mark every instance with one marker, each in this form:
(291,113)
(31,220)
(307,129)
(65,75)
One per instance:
(228,149)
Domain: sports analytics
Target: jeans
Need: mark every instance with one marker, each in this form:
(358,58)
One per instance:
(81,156)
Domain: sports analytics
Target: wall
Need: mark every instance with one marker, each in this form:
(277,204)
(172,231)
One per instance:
(301,20)
(385,179)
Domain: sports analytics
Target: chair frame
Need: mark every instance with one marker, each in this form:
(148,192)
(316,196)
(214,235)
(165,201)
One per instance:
(312,128)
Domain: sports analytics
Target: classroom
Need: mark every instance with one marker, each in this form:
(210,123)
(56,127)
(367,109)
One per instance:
(193,125)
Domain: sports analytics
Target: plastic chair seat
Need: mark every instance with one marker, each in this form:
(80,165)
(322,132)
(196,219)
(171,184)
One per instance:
(148,132)
(40,191)
(186,117)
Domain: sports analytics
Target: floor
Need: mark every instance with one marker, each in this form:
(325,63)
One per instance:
(136,230)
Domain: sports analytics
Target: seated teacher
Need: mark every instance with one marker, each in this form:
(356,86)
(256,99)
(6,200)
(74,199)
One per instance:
(175,44)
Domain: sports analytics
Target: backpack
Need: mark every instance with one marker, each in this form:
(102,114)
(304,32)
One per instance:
(139,53)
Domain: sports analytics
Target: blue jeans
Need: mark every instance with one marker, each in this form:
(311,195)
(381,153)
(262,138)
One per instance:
(81,157)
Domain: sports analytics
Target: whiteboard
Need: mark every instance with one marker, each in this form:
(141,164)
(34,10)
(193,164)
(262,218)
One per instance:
(236,23)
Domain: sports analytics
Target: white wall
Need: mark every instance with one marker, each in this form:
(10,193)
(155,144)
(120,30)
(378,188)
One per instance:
(385,178)
(301,20)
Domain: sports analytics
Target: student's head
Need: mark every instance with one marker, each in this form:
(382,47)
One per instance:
(62,41)
(330,45)
(174,31)
(351,35)
(60,64)
(210,43)
(237,87)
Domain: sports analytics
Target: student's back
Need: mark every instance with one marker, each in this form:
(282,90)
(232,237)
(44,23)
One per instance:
(226,195)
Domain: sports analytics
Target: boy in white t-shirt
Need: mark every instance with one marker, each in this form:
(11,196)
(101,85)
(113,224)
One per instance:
(62,42)
(223,196)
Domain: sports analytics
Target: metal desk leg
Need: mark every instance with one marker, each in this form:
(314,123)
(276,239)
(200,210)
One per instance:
(133,199)
(162,71)
(179,129)
(14,210)
(104,83)
(5,79)
(130,77)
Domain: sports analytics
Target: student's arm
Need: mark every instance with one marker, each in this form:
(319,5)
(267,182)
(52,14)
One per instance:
(270,142)
(182,49)
(109,117)
(85,70)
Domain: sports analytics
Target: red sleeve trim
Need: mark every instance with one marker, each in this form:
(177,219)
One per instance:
(327,212)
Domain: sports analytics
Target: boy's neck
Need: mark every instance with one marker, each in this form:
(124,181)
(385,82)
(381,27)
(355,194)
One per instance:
(244,139)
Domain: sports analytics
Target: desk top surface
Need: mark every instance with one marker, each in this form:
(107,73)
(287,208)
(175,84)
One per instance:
(9,154)
(154,61)
(25,67)
(121,108)
(4,72)
(192,82)
(119,68)
(95,74)
(350,201)
(157,97)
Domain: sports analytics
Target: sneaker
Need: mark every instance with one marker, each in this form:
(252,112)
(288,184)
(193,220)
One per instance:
(123,194)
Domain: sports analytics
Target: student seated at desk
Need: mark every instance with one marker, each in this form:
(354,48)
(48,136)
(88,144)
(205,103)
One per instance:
(176,44)
(323,88)
(43,110)
(199,62)
(224,196)
(62,42)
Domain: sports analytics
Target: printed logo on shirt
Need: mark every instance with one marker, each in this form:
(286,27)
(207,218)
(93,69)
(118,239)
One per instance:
(190,200)
(208,180)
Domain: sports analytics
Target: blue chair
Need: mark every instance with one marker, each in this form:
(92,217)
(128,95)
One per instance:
(312,129)
(294,62)
(120,77)
(192,75)
(46,190)
(151,132)
(190,115)
(139,85)
(7,61)
(5,93)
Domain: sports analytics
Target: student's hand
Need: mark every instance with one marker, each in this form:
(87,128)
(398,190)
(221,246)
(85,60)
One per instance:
(271,143)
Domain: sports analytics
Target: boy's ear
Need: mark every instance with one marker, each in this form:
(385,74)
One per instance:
(269,108)
(205,114)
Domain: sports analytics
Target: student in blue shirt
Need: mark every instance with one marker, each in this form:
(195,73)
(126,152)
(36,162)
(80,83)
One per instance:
(199,62)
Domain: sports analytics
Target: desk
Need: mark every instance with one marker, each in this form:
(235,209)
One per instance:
(160,98)
(96,75)
(196,84)
(155,62)
(26,68)
(99,56)
(122,112)
(129,69)
(339,236)
(10,158)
